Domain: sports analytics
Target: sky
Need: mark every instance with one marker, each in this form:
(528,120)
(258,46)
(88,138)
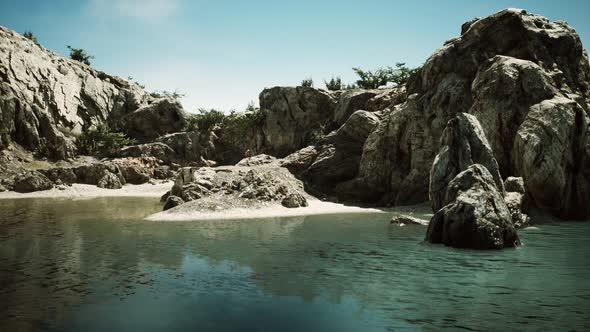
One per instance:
(221,54)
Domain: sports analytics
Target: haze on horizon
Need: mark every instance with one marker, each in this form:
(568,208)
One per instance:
(221,54)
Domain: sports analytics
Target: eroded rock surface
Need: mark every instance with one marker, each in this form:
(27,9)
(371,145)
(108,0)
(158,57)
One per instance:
(474,214)
(463,144)
(526,79)
(230,187)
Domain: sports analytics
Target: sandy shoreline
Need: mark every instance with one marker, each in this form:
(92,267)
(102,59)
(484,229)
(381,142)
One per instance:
(315,207)
(84,191)
(90,191)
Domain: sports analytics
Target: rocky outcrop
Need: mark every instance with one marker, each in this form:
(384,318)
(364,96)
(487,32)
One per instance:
(474,214)
(47,100)
(191,145)
(109,181)
(526,79)
(351,101)
(231,187)
(258,160)
(339,154)
(31,181)
(463,143)
(156,150)
(160,117)
(294,115)
(552,154)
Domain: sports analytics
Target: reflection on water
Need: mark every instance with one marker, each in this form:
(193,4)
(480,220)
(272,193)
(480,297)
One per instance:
(95,265)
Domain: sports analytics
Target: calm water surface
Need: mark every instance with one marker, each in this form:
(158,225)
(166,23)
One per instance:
(95,265)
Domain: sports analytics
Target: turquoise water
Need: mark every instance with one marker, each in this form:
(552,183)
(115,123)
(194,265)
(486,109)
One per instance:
(95,265)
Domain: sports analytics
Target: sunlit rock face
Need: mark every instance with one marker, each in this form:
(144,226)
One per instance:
(526,79)
(46,100)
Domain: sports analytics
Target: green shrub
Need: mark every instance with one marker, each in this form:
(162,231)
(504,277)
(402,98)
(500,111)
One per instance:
(30,36)
(205,120)
(334,84)
(167,94)
(308,83)
(81,55)
(374,79)
(102,141)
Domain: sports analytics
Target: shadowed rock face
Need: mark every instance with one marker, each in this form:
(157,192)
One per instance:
(463,144)
(474,214)
(46,100)
(293,116)
(526,80)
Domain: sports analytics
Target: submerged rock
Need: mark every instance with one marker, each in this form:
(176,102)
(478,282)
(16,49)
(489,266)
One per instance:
(474,215)
(407,220)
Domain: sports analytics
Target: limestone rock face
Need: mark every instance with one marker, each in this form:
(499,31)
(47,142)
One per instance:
(190,145)
(526,79)
(31,181)
(300,160)
(293,116)
(463,144)
(47,99)
(474,215)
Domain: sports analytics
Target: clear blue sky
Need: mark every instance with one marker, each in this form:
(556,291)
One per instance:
(223,53)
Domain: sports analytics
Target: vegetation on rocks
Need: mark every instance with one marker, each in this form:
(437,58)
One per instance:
(102,140)
(80,54)
(308,83)
(373,79)
(167,94)
(30,36)
(334,84)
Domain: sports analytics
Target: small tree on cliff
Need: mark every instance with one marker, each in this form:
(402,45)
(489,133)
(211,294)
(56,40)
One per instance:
(80,54)
(334,84)
(30,36)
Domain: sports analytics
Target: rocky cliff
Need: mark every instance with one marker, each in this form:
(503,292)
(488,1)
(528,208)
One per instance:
(526,79)
(46,100)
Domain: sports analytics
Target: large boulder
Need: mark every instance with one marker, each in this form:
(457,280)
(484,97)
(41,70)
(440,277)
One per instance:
(46,100)
(160,117)
(109,181)
(339,154)
(31,181)
(475,214)
(351,101)
(294,117)
(552,154)
(463,143)
(519,74)
(230,187)
(190,145)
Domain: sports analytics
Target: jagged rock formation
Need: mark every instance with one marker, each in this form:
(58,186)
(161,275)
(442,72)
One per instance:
(46,100)
(515,200)
(463,144)
(532,103)
(474,214)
